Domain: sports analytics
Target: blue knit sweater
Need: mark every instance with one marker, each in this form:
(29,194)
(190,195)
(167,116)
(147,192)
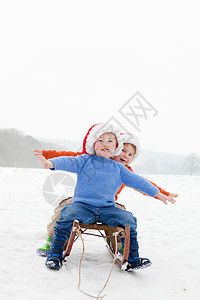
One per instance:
(99,179)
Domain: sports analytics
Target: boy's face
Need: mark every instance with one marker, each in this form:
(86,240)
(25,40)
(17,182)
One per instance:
(105,145)
(127,154)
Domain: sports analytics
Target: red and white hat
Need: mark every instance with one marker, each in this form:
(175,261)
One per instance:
(95,132)
(129,138)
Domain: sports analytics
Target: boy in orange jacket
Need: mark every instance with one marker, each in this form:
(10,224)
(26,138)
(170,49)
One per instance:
(130,152)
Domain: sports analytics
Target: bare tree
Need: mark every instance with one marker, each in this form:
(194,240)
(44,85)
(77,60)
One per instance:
(192,163)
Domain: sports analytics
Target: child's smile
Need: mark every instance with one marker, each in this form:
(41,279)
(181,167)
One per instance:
(122,160)
(105,149)
(126,156)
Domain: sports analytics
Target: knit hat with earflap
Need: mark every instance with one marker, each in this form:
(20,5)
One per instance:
(129,138)
(95,132)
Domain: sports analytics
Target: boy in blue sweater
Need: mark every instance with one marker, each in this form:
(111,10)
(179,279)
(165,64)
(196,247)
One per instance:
(98,180)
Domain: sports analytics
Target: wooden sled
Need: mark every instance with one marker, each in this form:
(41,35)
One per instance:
(107,232)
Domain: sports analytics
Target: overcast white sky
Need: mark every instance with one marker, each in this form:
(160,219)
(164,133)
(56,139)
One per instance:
(66,65)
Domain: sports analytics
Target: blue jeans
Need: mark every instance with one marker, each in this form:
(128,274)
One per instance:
(87,214)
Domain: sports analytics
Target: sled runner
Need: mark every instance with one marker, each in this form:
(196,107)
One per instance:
(108,233)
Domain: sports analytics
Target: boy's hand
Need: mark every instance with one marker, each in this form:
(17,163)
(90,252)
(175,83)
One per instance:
(47,164)
(38,152)
(173,195)
(165,198)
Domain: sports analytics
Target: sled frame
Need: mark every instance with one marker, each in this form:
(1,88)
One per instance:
(107,235)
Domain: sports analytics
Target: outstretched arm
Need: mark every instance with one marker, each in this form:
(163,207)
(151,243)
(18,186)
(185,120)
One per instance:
(162,190)
(53,153)
(141,184)
(64,163)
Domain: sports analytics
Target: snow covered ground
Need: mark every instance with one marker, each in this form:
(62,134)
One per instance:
(168,235)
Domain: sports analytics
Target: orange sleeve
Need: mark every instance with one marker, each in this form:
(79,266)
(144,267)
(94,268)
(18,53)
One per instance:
(53,153)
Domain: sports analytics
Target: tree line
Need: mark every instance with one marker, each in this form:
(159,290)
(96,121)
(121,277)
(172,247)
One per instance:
(17,150)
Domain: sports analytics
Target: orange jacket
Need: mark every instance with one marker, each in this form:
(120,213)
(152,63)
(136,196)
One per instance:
(53,153)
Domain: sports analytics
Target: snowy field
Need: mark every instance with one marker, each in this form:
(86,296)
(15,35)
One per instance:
(168,235)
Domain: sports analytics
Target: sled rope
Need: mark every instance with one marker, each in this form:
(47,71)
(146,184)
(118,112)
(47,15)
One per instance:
(98,297)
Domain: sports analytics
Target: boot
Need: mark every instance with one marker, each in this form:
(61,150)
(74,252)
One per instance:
(43,251)
(138,263)
(54,258)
